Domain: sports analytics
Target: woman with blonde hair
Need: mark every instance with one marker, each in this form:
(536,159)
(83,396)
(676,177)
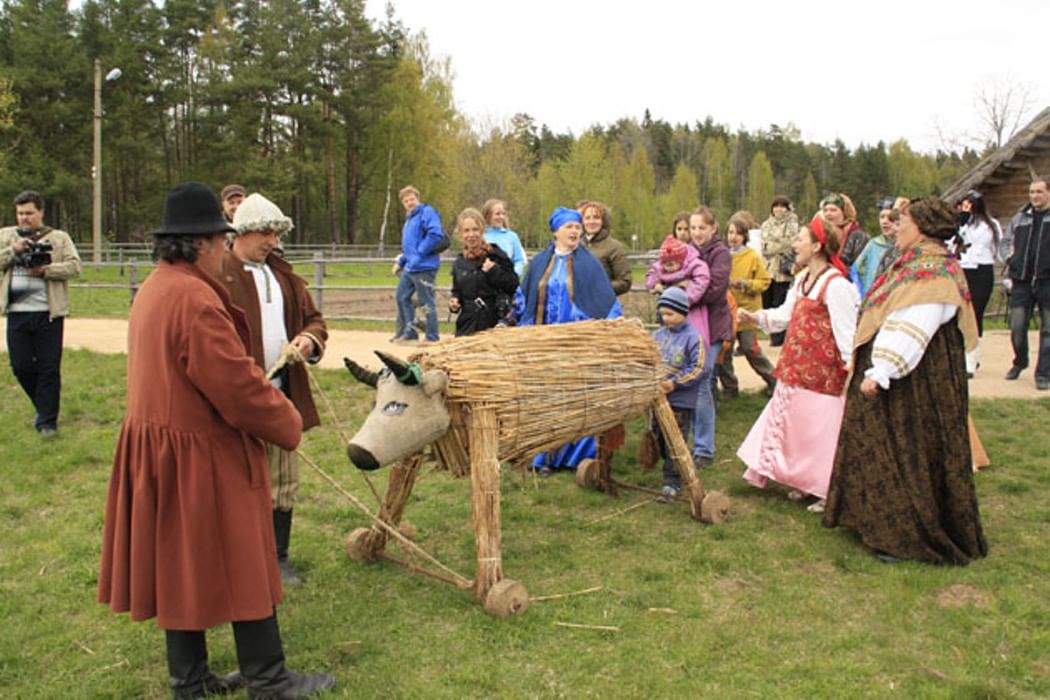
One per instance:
(703,229)
(483,278)
(498,232)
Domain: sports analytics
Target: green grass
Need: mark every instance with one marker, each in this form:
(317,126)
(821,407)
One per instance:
(767,605)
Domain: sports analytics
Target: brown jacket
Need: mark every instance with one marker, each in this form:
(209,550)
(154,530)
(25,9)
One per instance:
(301,317)
(613,257)
(188,535)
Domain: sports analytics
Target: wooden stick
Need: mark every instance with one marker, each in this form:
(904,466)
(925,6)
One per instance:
(558,596)
(426,572)
(600,628)
(621,511)
(485,498)
(669,611)
(463,581)
(680,455)
(339,428)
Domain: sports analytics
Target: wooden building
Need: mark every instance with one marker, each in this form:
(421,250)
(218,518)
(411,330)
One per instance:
(1004,176)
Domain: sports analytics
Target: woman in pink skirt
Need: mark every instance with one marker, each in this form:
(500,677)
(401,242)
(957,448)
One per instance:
(794,440)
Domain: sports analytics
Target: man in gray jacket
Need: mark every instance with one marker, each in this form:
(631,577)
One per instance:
(37,261)
(1028,269)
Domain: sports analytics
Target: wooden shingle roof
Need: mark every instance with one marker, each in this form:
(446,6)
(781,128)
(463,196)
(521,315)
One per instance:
(1004,162)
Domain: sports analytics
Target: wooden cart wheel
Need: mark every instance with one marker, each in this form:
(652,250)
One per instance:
(506,598)
(408,530)
(587,473)
(714,508)
(358,545)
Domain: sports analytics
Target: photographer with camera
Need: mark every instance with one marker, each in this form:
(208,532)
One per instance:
(37,262)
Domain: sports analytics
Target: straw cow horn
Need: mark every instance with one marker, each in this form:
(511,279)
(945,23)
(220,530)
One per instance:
(360,373)
(401,369)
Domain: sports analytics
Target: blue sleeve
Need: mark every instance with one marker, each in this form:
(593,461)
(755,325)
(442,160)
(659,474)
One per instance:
(518,258)
(690,375)
(430,225)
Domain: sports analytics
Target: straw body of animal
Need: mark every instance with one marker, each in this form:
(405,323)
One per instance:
(548,385)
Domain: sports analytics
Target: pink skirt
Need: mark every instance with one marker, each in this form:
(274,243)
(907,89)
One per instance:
(793,442)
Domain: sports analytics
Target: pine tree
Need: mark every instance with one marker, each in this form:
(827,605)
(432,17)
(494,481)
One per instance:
(761,187)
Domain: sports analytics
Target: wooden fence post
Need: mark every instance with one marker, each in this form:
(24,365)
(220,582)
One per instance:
(319,281)
(133,278)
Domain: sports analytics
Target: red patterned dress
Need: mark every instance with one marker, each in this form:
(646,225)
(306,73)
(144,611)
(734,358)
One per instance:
(793,442)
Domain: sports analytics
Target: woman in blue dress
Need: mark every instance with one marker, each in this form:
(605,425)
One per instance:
(565,283)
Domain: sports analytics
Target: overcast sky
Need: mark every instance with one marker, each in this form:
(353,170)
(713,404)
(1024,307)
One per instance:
(859,71)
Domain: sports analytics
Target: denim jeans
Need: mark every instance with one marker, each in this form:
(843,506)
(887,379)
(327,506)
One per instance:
(1023,299)
(422,285)
(34,346)
(704,416)
(684,418)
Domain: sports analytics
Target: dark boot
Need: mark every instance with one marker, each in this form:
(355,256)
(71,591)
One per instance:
(261,659)
(188,668)
(282,531)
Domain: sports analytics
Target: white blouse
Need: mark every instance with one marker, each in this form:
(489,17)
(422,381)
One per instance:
(902,340)
(982,244)
(842,301)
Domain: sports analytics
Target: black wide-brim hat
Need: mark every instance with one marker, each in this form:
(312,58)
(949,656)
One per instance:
(192,209)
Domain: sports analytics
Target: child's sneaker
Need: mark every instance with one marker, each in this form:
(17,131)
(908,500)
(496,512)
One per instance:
(668,494)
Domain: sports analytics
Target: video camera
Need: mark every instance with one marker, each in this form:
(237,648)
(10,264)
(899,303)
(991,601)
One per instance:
(36,255)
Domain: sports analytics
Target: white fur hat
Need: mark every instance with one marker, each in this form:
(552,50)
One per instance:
(257,213)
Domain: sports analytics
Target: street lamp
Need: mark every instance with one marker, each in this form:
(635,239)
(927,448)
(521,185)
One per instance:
(96,165)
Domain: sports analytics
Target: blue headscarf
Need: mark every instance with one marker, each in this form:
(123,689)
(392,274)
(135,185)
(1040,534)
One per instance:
(561,216)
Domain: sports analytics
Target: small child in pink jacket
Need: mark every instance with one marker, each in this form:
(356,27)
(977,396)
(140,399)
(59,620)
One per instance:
(680,265)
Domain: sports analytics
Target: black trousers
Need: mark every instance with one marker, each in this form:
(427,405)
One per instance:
(34,346)
(980,280)
(773,297)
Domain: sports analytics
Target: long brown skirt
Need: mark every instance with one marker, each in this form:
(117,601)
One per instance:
(903,474)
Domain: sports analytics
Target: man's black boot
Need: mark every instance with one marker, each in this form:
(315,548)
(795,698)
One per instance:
(261,659)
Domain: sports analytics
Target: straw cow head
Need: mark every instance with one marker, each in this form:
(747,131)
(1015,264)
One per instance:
(409,412)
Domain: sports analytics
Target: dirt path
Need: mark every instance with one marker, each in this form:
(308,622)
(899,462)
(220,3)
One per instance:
(109,336)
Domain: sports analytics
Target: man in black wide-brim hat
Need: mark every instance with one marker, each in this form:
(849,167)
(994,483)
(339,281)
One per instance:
(188,535)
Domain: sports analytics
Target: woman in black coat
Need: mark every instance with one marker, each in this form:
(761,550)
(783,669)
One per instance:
(483,279)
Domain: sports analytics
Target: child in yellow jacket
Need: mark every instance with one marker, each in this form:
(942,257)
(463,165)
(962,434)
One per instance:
(747,280)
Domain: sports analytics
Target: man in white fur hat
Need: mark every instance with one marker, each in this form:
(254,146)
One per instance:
(280,311)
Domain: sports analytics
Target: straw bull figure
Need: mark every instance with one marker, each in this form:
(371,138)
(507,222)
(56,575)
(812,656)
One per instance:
(509,394)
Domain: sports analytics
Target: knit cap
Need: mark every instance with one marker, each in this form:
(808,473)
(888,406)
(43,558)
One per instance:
(673,249)
(257,213)
(675,299)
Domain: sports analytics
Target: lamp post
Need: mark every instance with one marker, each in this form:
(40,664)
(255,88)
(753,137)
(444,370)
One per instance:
(96,165)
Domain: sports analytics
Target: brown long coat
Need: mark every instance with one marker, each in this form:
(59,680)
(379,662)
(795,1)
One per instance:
(300,317)
(188,536)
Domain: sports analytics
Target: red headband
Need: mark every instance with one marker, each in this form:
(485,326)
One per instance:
(816,225)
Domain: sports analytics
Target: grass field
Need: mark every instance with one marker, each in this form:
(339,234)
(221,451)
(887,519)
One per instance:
(767,605)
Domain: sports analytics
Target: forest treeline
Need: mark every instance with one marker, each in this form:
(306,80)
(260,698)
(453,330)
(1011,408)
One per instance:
(329,112)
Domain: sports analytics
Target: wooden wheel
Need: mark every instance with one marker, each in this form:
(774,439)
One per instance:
(587,472)
(506,598)
(408,530)
(359,545)
(714,509)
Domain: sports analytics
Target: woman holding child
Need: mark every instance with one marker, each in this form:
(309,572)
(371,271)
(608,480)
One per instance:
(794,440)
